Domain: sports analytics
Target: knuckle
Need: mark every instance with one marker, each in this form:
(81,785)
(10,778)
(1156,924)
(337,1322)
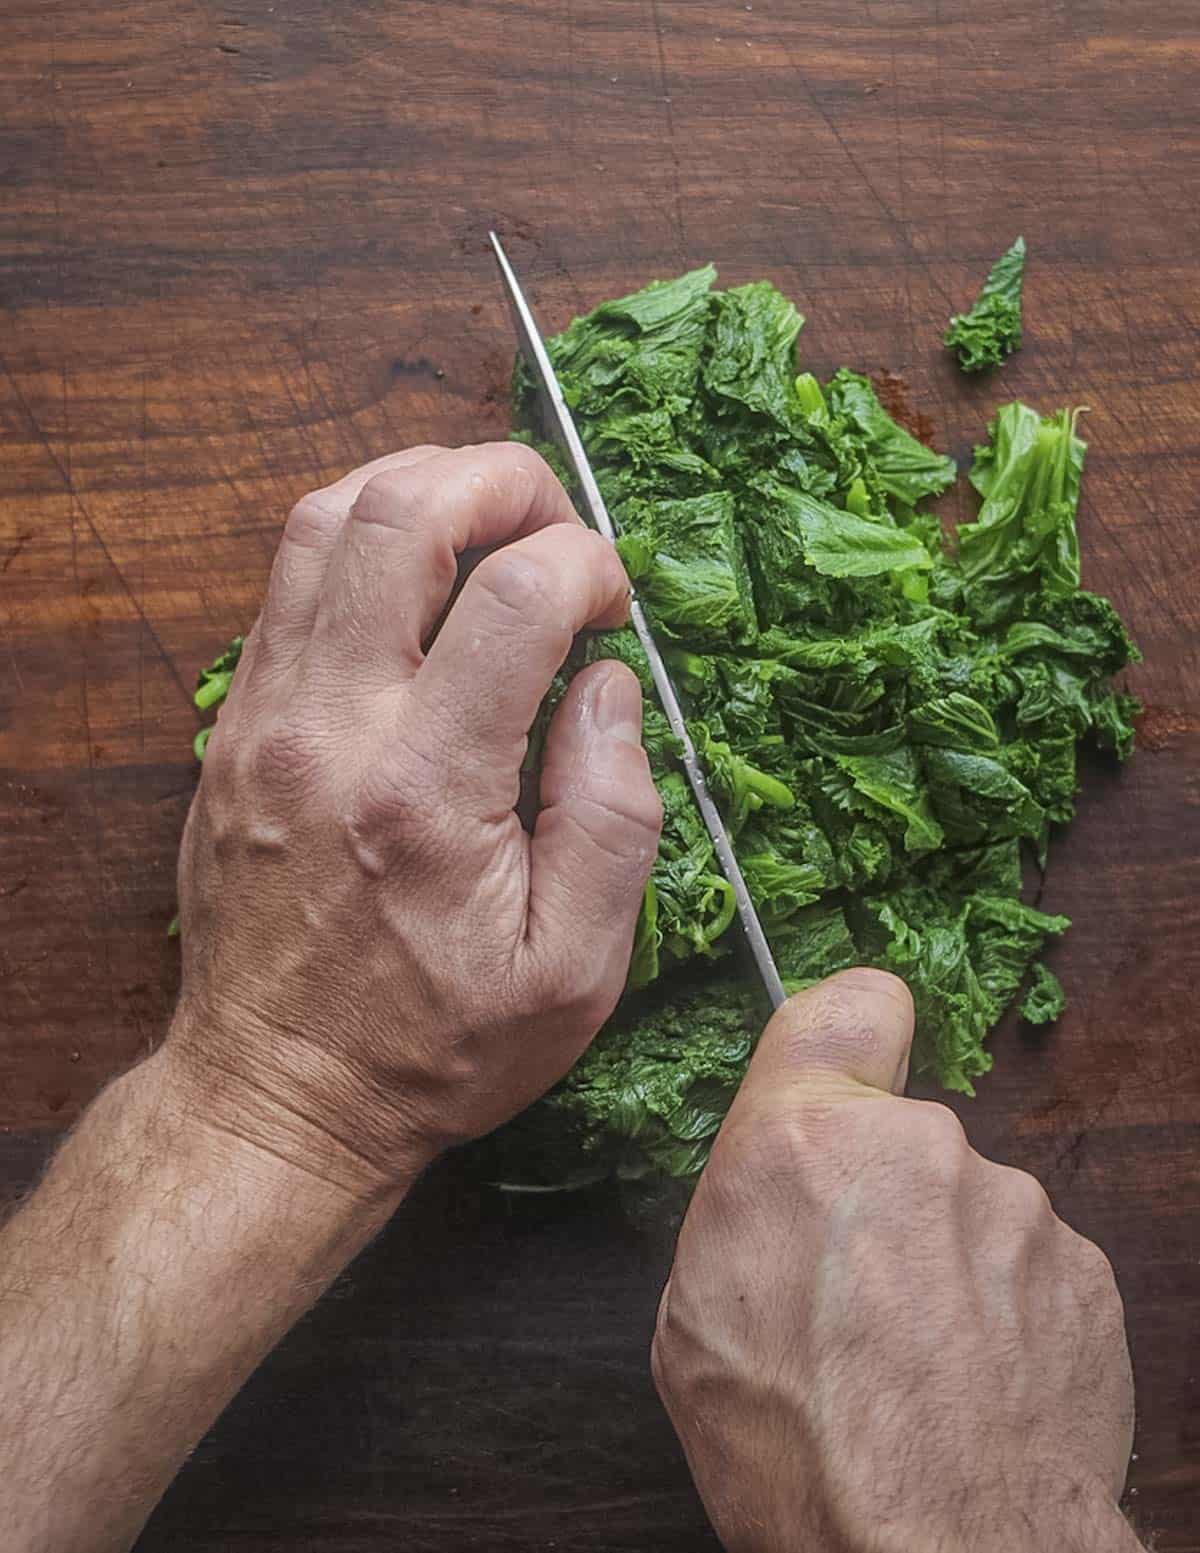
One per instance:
(596,1004)
(311,524)
(617,799)
(284,756)
(438,560)
(526,464)
(939,1139)
(219,764)
(399,795)
(659,1365)
(393,498)
(1025,1195)
(651,799)
(763,1147)
(520,588)
(620,825)
(600,558)
(578,992)
(1093,1270)
(662,1343)
(868,984)
(856,1016)
(601,553)
(840,1019)
(576,974)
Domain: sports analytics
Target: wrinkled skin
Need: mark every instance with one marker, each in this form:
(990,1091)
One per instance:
(379,961)
(873,1340)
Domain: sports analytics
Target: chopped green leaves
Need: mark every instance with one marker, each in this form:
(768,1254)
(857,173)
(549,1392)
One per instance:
(687,560)
(748,362)
(884,722)
(212,685)
(1024,537)
(808,533)
(991,330)
(906,469)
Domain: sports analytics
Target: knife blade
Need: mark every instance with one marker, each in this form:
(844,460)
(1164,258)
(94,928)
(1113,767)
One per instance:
(558,422)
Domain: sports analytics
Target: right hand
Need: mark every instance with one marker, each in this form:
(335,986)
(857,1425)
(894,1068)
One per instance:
(873,1340)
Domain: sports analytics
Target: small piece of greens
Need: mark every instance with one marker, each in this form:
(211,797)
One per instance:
(992,329)
(887,722)
(1045,1000)
(212,686)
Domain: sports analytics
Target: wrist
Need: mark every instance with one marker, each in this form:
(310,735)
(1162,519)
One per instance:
(281,1127)
(1083,1519)
(1079,1521)
(1091,1525)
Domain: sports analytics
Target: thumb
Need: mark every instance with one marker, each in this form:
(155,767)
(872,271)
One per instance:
(597,831)
(854,1029)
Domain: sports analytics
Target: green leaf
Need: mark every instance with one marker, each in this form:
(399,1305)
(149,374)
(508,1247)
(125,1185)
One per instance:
(991,330)
(954,720)
(1045,1000)
(893,782)
(814,943)
(834,543)
(1024,539)
(687,561)
(751,355)
(647,940)
(904,467)
(643,349)
(213,683)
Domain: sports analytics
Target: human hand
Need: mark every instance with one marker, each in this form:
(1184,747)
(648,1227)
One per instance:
(378,960)
(873,1340)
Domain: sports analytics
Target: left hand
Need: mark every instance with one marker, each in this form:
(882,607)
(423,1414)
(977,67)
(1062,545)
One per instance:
(378,959)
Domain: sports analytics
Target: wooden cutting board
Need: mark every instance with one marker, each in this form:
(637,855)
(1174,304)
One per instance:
(242,247)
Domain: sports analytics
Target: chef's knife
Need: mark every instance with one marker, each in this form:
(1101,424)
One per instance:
(558,423)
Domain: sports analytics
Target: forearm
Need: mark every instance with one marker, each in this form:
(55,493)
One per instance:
(157,1263)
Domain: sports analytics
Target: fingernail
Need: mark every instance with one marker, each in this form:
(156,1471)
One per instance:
(617,708)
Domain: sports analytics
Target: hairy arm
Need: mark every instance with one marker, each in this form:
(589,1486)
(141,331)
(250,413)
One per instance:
(158,1262)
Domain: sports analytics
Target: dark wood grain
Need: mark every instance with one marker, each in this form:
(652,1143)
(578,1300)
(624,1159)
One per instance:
(242,248)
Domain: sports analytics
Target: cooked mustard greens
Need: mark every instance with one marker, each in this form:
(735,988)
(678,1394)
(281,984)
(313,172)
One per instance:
(213,686)
(1045,1000)
(992,329)
(884,721)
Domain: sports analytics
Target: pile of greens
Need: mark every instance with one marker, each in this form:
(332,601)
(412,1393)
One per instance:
(886,721)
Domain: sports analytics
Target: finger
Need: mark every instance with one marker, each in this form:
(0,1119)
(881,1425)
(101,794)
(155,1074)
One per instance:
(852,1030)
(395,560)
(507,635)
(308,541)
(596,834)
